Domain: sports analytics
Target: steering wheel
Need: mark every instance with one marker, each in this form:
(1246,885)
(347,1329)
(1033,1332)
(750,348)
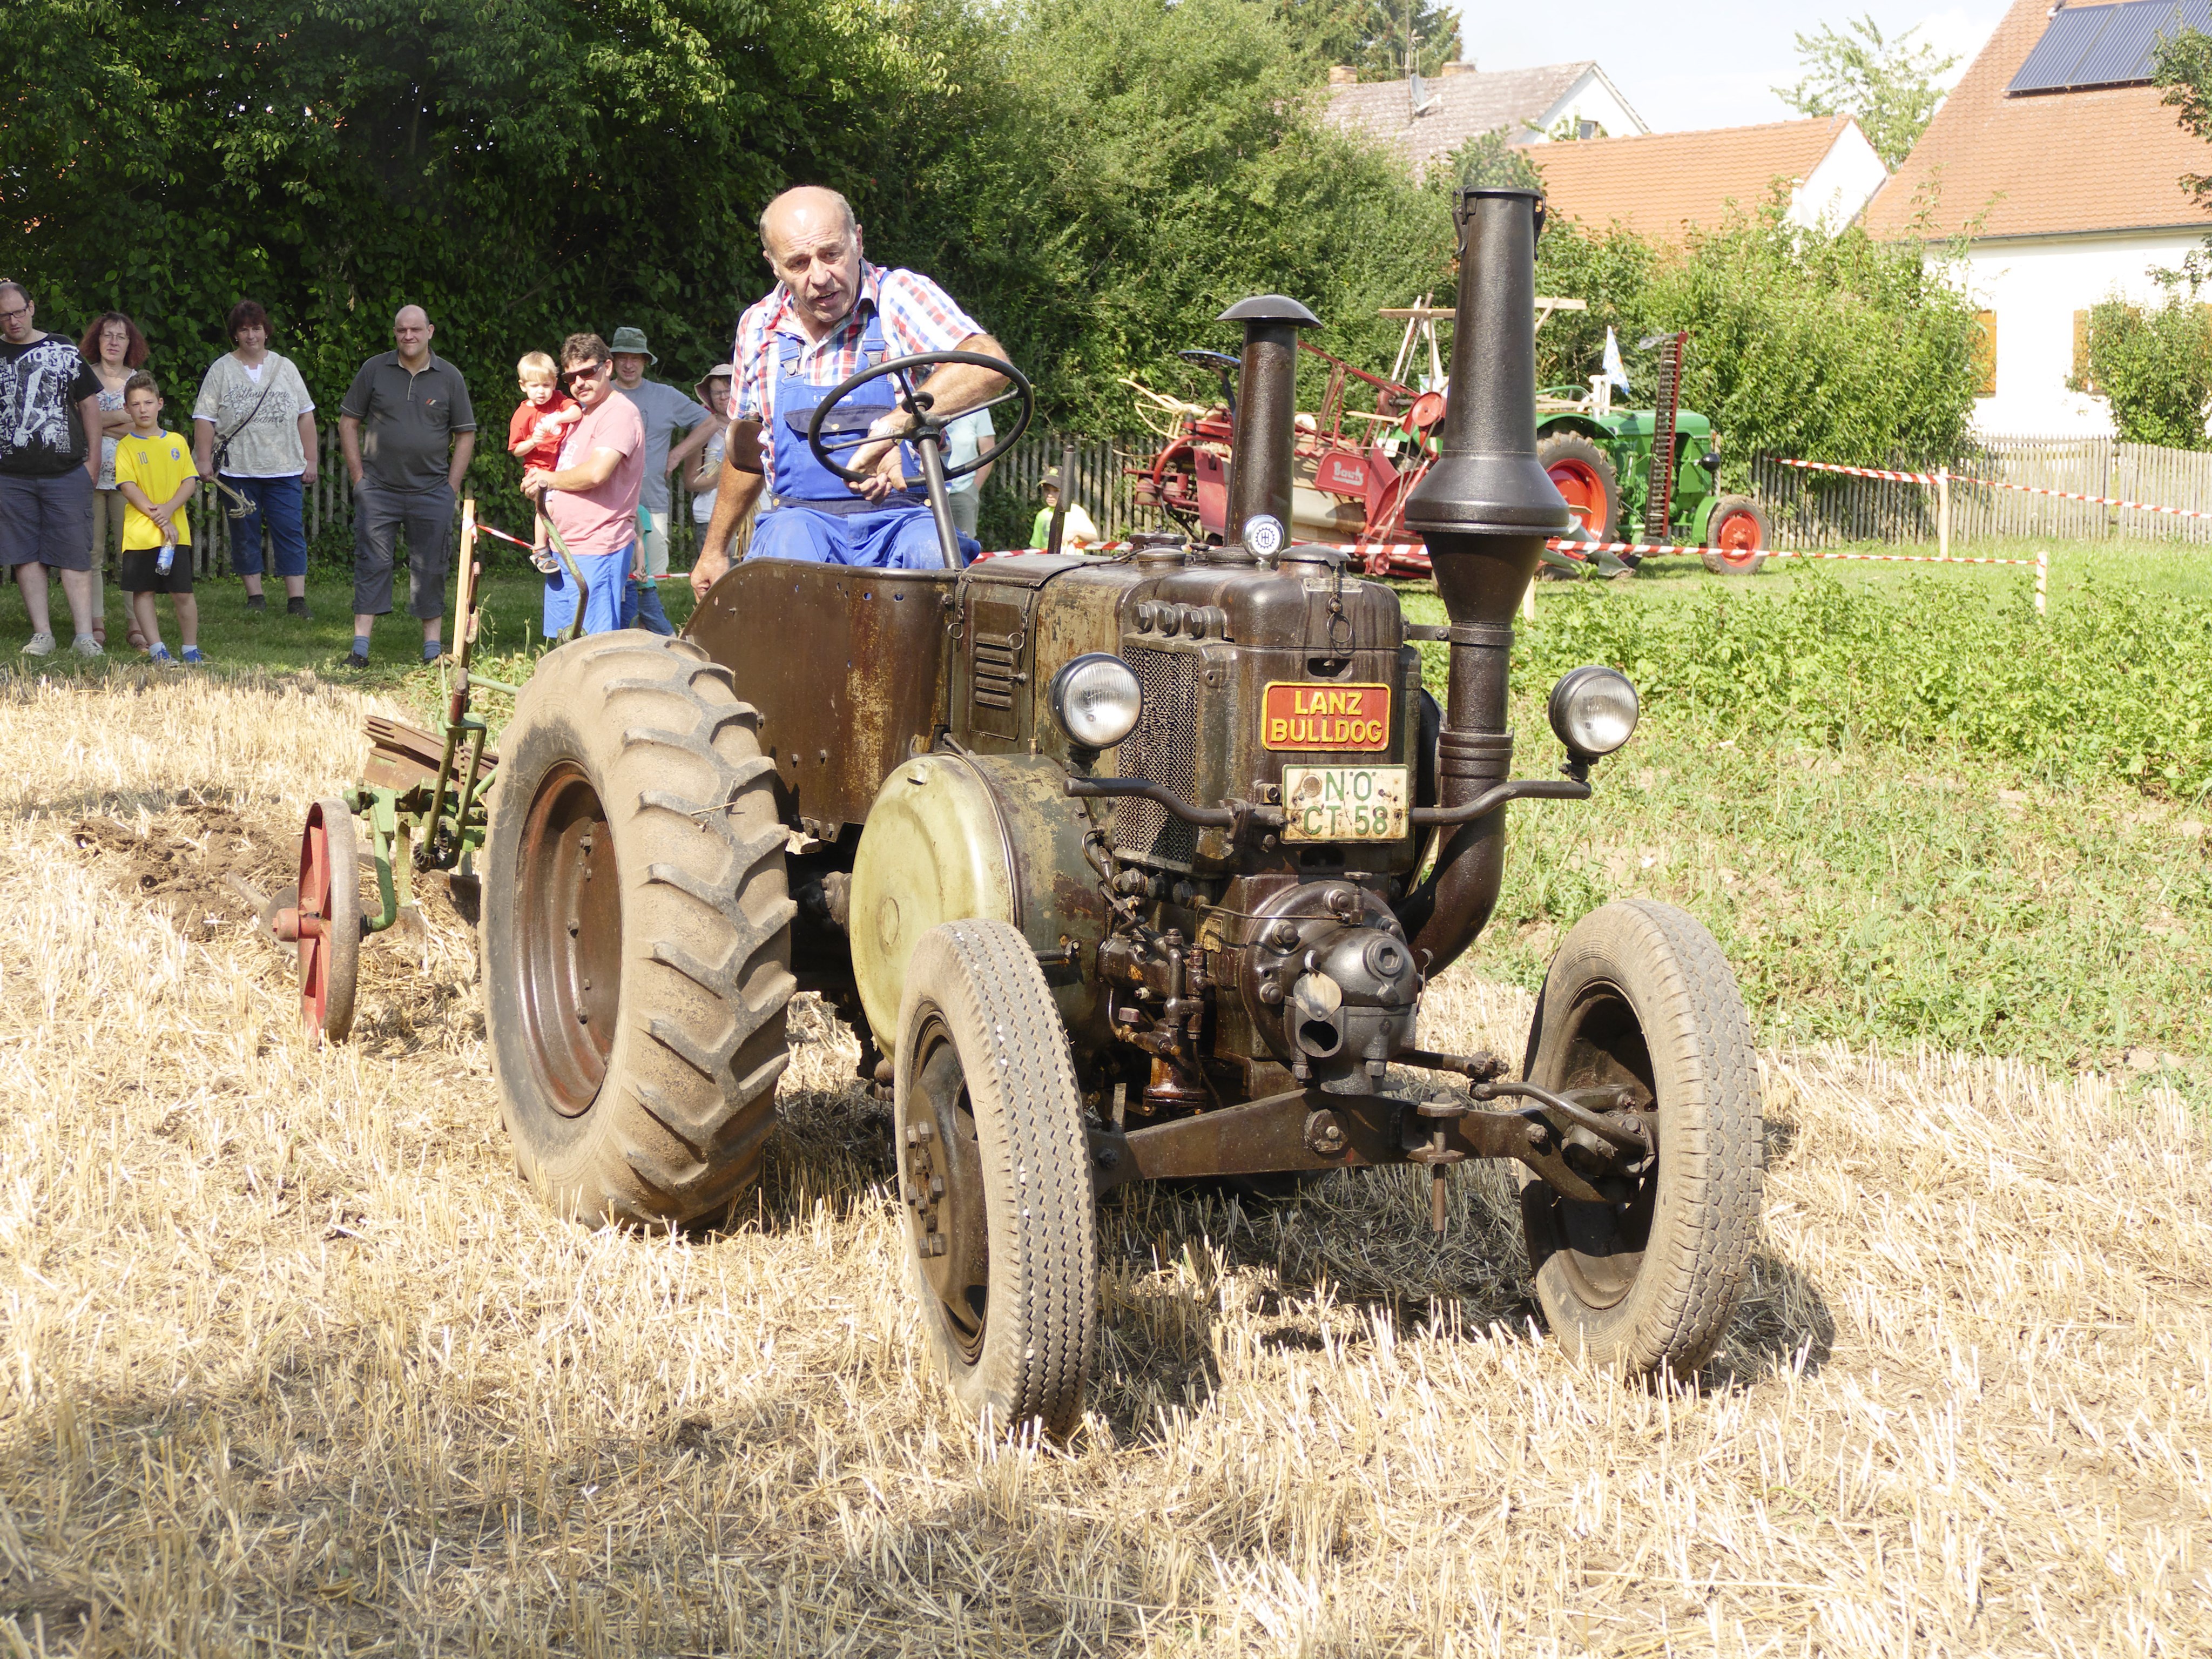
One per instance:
(927,435)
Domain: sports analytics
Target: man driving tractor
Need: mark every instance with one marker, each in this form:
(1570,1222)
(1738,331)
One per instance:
(830,315)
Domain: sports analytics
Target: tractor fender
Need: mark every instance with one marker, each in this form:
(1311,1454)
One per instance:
(958,837)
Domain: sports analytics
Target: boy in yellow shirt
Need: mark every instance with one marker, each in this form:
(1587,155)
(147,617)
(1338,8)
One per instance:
(156,474)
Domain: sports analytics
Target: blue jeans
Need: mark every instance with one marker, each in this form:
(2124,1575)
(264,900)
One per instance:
(607,606)
(641,607)
(276,501)
(897,538)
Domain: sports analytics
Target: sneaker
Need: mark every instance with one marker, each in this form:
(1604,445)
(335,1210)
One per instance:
(355,660)
(299,608)
(159,657)
(41,645)
(86,645)
(257,601)
(193,657)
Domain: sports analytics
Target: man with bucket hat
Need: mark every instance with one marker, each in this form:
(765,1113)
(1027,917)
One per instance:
(666,412)
(830,312)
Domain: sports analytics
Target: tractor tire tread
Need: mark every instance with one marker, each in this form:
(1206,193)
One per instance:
(678,1129)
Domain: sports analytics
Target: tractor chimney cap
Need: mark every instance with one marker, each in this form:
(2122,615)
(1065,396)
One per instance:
(1269,308)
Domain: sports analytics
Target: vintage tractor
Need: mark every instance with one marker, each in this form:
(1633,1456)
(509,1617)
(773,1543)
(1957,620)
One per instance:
(1649,475)
(1123,869)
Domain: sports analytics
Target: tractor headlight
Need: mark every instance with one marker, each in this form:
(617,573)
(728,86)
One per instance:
(1594,711)
(1096,699)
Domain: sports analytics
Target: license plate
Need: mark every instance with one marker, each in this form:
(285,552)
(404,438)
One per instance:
(1344,803)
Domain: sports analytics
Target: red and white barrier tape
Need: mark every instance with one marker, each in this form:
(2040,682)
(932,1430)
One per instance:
(1931,478)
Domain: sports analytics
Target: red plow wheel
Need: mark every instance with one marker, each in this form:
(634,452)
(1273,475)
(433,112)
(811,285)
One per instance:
(1738,538)
(328,920)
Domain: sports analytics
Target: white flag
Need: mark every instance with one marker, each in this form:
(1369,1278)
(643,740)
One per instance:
(1614,370)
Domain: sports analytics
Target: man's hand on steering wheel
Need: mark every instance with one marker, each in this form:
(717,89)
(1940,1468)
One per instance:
(880,459)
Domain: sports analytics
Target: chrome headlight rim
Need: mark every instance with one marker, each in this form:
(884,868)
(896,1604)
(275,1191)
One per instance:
(1078,720)
(1594,711)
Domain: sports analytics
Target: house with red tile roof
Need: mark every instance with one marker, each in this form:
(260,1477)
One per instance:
(1426,119)
(1662,184)
(2057,160)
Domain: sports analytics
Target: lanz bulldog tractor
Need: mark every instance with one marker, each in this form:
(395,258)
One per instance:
(1124,869)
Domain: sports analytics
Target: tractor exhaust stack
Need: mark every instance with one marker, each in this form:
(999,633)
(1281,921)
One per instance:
(1485,510)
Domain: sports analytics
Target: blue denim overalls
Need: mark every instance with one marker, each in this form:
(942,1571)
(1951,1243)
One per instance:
(817,516)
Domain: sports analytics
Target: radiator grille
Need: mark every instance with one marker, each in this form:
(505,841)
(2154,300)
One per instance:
(1164,749)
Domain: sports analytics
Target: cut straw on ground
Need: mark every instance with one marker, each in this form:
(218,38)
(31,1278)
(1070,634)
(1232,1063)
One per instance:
(291,1363)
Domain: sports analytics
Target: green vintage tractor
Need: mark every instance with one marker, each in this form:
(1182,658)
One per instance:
(1607,462)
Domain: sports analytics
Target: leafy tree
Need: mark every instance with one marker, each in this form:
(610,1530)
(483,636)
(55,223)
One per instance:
(1889,85)
(1834,347)
(1488,159)
(2155,365)
(1370,35)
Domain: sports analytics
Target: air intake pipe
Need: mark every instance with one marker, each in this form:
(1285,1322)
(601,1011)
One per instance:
(1265,441)
(1485,510)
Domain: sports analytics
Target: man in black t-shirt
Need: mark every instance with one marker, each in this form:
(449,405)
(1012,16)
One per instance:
(50,428)
(408,430)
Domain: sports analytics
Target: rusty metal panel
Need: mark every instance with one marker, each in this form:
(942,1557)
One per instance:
(845,667)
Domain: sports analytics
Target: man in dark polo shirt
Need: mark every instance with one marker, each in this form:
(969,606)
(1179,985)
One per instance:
(408,431)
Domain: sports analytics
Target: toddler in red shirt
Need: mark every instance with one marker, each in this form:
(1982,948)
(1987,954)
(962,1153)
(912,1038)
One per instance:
(534,436)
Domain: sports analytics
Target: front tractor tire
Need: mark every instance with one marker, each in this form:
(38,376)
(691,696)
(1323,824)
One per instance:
(1639,999)
(637,934)
(1739,537)
(994,1169)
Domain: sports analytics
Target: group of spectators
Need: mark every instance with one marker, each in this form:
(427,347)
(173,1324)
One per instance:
(89,475)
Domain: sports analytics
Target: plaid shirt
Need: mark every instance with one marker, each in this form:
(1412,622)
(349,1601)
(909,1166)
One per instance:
(917,316)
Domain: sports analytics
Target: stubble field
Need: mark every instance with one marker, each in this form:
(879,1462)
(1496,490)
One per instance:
(290,1361)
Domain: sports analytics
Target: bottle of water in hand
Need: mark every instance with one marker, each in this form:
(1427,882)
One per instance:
(168,552)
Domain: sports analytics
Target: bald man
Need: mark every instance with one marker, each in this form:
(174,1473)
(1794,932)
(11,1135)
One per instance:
(408,431)
(830,310)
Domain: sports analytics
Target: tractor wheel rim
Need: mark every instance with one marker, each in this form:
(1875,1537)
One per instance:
(958,1278)
(1604,1243)
(570,939)
(315,907)
(1578,482)
(1738,539)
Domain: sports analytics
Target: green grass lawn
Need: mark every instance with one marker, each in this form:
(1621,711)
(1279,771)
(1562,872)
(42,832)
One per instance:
(1909,810)
(510,607)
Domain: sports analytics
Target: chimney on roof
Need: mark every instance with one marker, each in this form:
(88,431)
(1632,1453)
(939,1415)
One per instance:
(1465,66)
(1342,75)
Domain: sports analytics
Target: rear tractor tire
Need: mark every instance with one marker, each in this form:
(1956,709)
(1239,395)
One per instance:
(994,1169)
(637,934)
(1740,537)
(1583,475)
(1639,999)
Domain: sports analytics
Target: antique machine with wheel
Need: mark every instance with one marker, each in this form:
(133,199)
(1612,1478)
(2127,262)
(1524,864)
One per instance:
(422,804)
(1122,868)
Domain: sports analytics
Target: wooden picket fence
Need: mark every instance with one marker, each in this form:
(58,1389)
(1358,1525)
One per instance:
(1815,510)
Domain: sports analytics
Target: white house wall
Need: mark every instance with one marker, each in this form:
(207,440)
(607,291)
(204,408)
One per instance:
(1841,184)
(2035,285)
(1592,97)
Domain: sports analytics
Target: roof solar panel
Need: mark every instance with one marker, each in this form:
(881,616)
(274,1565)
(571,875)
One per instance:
(2107,46)
(2067,39)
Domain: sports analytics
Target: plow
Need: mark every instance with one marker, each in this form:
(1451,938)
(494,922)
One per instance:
(421,807)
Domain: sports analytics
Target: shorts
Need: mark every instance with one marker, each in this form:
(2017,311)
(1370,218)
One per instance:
(378,516)
(138,574)
(47,521)
(605,580)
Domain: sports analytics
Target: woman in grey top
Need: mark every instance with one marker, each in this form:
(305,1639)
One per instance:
(253,428)
(114,349)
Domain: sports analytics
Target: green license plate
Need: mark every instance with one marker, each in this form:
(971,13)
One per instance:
(1344,803)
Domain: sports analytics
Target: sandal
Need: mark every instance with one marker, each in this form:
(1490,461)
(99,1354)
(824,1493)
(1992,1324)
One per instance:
(137,639)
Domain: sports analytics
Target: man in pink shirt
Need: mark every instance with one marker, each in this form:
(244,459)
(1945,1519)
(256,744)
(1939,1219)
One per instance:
(591,496)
